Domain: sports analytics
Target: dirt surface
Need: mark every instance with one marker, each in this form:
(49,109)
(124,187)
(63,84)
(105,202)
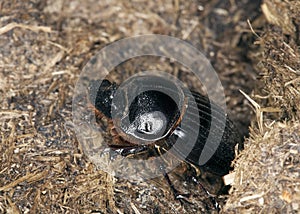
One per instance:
(44,45)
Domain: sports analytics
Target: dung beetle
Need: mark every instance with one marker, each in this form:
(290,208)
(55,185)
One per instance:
(149,113)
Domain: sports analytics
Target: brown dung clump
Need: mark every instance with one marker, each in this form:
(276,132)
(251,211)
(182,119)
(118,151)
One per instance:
(267,172)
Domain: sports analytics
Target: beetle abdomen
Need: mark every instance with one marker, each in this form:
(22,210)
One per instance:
(220,162)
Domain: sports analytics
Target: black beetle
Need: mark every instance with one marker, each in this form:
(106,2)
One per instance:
(154,115)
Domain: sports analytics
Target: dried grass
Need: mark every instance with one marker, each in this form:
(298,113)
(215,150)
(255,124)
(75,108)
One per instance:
(33,28)
(267,178)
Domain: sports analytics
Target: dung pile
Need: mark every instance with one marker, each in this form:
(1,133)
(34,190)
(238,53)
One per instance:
(267,173)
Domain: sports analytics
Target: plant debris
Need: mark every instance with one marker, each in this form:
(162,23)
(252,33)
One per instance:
(267,178)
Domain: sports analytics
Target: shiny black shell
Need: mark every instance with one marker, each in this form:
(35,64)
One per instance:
(102,93)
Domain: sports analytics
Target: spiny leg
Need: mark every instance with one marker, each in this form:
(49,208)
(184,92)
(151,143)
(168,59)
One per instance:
(177,195)
(211,197)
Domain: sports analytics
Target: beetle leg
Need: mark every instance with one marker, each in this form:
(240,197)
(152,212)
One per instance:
(179,196)
(196,172)
(131,151)
(211,197)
